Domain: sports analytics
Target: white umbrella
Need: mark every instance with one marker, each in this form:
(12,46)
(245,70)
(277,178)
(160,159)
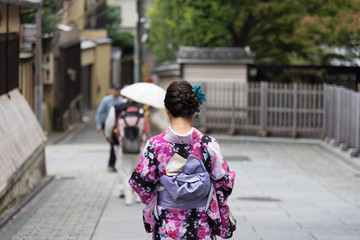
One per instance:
(145,93)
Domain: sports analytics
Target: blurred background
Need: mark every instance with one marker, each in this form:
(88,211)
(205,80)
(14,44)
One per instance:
(283,68)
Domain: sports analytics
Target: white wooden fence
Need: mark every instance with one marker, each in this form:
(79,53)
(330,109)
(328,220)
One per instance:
(342,116)
(264,108)
(283,110)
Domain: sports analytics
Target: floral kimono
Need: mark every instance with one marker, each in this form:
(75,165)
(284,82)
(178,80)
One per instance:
(202,222)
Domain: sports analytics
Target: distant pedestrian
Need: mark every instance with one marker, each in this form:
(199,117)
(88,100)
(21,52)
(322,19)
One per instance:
(106,103)
(182,176)
(131,127)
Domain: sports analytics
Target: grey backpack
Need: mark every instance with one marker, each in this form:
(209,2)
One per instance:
(131,141)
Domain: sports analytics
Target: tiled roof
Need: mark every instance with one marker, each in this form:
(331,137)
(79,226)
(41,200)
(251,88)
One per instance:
(218,54)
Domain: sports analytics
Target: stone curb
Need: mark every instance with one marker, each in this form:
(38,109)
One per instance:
(55,138)
(25,200)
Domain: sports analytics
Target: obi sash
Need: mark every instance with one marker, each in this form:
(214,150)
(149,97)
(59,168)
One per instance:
(186,185)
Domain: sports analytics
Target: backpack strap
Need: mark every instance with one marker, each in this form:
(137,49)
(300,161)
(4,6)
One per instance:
(118,110)
(138,114)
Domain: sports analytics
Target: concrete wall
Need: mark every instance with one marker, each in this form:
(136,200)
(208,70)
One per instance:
(215,72)
(100,57)
(165,81)
(75,10)
(165,74)
(87,56)
(158,118)
(101,73)
(127,12)
(94,34)
(22,143)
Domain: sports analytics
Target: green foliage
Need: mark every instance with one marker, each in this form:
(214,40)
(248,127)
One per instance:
(49,21)
(27,15)
(52,5)
(49,17)
(164,31)
(125,41)
(278,31)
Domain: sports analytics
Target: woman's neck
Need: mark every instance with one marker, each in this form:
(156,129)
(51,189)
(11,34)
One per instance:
(180,125)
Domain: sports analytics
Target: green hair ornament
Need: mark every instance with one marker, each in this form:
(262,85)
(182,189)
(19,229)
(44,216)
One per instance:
(201,97)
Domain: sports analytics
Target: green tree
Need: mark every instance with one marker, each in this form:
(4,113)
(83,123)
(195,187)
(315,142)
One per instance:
(278,31)
(125,41)
(49,16)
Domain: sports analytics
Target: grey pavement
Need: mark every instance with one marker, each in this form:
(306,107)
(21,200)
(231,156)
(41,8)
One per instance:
(287,190)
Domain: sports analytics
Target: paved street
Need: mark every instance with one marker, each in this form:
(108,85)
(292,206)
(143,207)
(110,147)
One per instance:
(283,191)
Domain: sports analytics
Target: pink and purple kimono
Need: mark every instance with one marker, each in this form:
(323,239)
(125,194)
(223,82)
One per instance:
(197,222)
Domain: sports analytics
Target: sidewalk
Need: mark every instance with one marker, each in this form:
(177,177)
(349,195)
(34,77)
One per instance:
(283,190)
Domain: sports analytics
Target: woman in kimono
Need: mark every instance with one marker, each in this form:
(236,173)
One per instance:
(182,177)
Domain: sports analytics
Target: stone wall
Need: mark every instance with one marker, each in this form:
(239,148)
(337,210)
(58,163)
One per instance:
(22,144)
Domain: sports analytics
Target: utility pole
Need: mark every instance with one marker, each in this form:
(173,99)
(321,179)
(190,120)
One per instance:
(136,48)
(38,63)
(140,40)
(137,58)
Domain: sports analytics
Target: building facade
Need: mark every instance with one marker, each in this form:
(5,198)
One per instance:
(82,63)
(127,10)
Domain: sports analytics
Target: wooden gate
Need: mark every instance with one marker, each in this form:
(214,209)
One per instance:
(70,86)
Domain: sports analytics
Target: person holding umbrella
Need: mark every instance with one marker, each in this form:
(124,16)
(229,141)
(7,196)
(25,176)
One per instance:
(131,127)
(126,117)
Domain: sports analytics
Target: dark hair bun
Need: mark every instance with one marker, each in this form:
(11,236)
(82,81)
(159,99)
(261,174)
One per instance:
(180,99)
